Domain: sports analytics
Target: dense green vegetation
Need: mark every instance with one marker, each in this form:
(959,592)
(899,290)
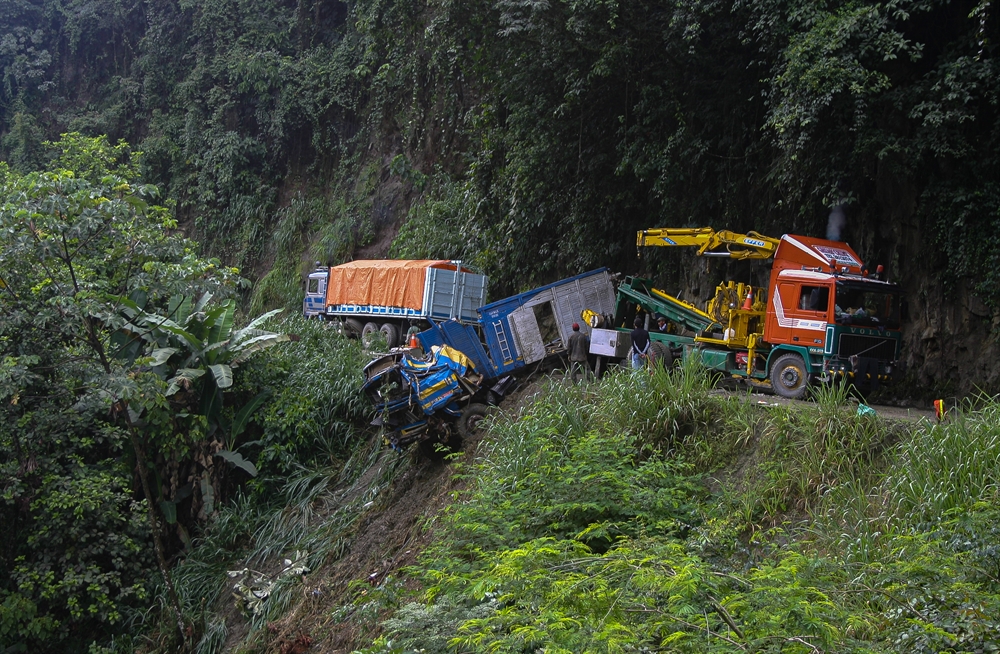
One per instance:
(122,410)
(588,525)
(153,454)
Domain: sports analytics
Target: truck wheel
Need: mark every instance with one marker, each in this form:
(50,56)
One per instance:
(353,327)
(391,333)
(368,333)
(468,422)
(788,376)
(662,356)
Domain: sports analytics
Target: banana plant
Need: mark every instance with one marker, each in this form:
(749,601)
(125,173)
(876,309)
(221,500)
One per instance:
(196,340)
(194,347)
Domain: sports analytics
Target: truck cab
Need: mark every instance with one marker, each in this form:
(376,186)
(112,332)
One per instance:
(828,318)
(824,318)
(314,302)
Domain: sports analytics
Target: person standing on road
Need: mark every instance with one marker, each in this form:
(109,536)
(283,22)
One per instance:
(579,348)
(640,345)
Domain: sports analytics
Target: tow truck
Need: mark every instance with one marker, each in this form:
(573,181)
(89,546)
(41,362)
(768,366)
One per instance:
(823,316)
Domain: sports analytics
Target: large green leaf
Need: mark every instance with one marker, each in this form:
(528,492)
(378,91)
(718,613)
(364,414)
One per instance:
(202,302)
(188,374)
(241,334)
(214,350)
(169,510)
(237,460)
(257,344)
(211,403)
(154,322)
(126,305)
(222,325)
(243,415)
(180,308)
(223,375)
(160,356)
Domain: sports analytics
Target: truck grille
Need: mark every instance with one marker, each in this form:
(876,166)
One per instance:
(874,347)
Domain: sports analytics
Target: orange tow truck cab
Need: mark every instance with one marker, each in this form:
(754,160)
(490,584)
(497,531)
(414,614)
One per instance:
(827,309)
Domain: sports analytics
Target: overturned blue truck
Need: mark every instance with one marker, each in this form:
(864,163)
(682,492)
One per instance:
(439,391)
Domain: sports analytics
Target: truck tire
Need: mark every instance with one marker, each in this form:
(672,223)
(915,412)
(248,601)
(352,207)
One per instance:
(368,333)
(353,327)
(468,422)
(789,377)
(662,356)
(391,333)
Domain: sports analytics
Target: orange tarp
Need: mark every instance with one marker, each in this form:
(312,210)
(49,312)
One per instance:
(386,282)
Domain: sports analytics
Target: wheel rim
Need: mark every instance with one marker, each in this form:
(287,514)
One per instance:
(791,377)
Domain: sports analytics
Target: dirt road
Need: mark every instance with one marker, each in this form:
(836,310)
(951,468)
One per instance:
(895,412)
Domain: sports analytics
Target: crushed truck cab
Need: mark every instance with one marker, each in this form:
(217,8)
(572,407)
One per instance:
(415,393)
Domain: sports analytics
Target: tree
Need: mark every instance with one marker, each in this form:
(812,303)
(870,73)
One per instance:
(74,240)
(191,350)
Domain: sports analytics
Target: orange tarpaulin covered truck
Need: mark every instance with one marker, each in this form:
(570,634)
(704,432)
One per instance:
(387,295)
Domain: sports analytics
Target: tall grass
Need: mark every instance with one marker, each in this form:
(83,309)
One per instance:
(945,467)
(315,514)
(581,515)
(662,410)
(938,472)
(795,455)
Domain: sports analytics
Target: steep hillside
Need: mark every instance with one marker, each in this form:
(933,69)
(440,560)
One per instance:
(650,512)
(176,476)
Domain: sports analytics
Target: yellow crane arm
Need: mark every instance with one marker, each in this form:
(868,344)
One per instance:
(710,243)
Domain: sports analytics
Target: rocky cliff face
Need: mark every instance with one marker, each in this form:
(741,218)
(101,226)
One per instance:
(950,340)
(950,344)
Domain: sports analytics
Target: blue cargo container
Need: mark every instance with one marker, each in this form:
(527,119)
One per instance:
(528,327)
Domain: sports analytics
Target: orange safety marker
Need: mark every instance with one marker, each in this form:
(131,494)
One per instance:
(748,303)
(939,409)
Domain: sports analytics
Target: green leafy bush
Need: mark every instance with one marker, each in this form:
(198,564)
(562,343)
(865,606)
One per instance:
(582,530)
(315,407)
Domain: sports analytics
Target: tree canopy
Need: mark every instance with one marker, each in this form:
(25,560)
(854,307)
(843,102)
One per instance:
(80,404)
(567,124)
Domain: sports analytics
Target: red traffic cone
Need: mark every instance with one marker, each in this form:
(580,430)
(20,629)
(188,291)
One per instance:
(748,303)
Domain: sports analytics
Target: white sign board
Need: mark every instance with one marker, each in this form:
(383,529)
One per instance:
(609,342)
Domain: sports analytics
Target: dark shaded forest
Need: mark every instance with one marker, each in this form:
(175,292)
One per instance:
(287,132)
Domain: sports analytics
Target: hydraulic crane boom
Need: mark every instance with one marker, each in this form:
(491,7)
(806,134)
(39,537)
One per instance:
(710,243)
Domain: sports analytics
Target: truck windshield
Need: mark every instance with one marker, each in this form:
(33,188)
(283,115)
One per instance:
(861,304)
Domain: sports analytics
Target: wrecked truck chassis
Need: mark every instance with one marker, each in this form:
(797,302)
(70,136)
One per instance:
(437,397)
